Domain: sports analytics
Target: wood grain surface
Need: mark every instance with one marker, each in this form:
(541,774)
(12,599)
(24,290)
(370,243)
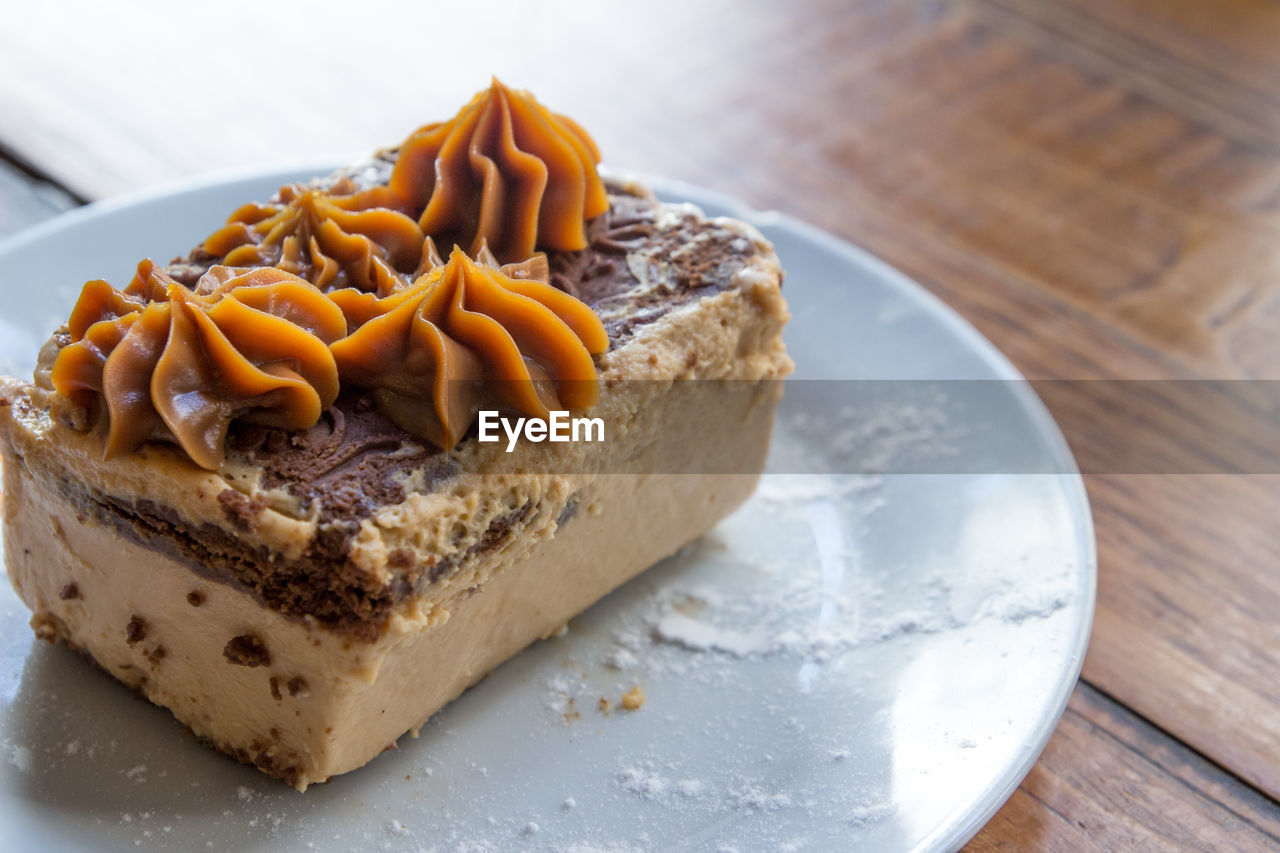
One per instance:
(1109,781)
(1094,184)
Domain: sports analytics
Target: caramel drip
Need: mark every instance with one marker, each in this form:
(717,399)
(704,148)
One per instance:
(332,238)
(505,170)
(179,366)
(466,334)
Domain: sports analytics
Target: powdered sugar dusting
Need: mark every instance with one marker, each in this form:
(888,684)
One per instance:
(832,607)
(700,636)
(639,781)
(621,659)
(18,756)
(859,815)
(753,799)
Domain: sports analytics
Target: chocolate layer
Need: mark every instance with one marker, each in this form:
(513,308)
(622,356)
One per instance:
(680,263)
(344,468)
(323,584)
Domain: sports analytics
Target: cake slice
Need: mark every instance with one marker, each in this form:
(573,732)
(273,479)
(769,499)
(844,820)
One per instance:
(251,484)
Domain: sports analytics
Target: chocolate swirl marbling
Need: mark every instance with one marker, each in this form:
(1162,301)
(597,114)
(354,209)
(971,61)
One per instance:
(334,238)
(505,170)
(468,334)
(175,365)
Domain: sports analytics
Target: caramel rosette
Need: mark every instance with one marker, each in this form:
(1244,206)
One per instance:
(467,335)
(179,366)
(332,238)
(505,170)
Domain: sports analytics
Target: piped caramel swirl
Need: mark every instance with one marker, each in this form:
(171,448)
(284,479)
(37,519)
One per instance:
(175,365)
(505,171)
(334,238)
(329,283)
(469,334)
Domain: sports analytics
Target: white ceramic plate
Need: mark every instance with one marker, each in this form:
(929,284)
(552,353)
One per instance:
(848,662)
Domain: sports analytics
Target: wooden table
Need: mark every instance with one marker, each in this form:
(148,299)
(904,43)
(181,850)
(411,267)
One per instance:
(1095,184)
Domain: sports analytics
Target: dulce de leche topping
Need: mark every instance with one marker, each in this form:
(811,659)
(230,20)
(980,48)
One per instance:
(176,365)
(332,238)
(505,170)
(469,333)
(340,284)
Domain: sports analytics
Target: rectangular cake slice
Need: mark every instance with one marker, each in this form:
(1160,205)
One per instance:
(325,590)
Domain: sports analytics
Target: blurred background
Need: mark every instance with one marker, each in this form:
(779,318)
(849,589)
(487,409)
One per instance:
(1094,184)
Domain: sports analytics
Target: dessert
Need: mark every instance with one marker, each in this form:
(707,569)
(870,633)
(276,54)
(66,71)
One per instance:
(252,483)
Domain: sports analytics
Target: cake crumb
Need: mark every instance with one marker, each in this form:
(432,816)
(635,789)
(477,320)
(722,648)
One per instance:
(605,707)
(195,598)
(45,626)
(298,687)
(136,630)
(240,511)
(633,698)
(69,592)
(246,650)
(274,683)
(569,803)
